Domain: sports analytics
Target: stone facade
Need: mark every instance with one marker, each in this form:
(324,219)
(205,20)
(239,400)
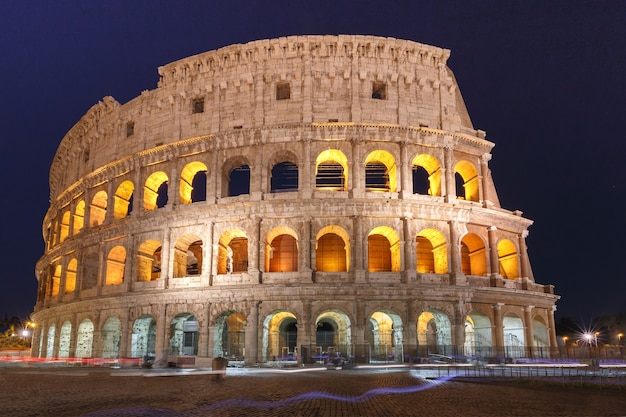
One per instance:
(287,199)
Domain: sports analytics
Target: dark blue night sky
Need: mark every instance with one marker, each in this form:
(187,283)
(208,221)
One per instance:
(545,79)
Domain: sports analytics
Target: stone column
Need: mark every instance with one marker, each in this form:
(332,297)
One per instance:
(484,174)
(138,194)
(360,247)
(523,258)
(498,349)
(455,253)
(126,335)
(552,329)
(358,182)
(460,312)
(405,171)
(448,171)
(204,334)
(409,271)
(167,264)
(110,209)
(161,342)
(528,331)
(307,176)
(493,251)
(306,250)
(254,333)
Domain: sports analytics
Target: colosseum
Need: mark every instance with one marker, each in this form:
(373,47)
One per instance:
(283,201)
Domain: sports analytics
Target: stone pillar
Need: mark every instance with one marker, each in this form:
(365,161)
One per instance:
(110,209)
(204,334)
(214,172)
(528,331)
(161,343)
(493,251)
(138,194)
(460,312)
(167,264)
(360,250)
(208,253)
(523,258)
(498,349)
(357,167)
(307,177)
(552,329)
(254,333)
(306,250)
(409,271)
(405,171)
(448,171)
(484,174)
(126,335)
(173,188)
(456,274)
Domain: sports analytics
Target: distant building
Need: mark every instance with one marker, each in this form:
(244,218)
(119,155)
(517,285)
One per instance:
(287,199)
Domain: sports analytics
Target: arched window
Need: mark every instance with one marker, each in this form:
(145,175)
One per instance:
(65,225)
(98,208)
(284,177)
(473,255)
(431,252)
(123,200)
(331,171)
(331,253)
(283,254)
(70,276)
(116,262)
(149,261)
(425,258)
(155,191)
(232,253)
(380,172)
(193,183)
(188,256)
(508,259)
(466,178)
(239,181)
(378,253)
(426,175)
(79,217)
(55,280)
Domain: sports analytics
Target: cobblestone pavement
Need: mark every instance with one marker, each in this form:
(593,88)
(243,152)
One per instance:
(355,392)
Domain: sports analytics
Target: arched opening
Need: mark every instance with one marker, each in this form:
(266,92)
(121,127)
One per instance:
(143,339)
(193,183)
(281,252)
(116,261)
(65,226)
(50,343)
(466,178)
(84,339)
(332,250)
(90,268)
(383,250)
(123,200)
(513,328)
(385,337)
(541,338)
(473,255)
(380,172)
(79,217)
(434,334)
(56,281)
(188,256)
(98,209)
(111,336)
(284,177)
(155,191)
(70,276)
(184,333)
(238,181)
(280,337)
(232,252)
(65,338)
(508,259)
(331,171)
(431,252)
(478,342)
(149,261)
(426,175)
(230,336)
(333,336)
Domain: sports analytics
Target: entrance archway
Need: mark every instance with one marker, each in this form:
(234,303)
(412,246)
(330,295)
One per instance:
(385,337)
(513,328)
(230,336)
(280,336)
(478,341)
(143,340)
(84,339)
(184,335)
(333,335)
(434,333)
(111,336)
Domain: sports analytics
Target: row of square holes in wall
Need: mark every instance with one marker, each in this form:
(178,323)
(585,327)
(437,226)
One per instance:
(283,92)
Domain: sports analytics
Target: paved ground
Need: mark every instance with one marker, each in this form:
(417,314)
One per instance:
(99,392)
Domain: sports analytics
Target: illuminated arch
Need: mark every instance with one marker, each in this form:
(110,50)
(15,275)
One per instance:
(193,183)
(333,333)
(431,252)
(385,336)
(332,250)
(380,171)
(230,336)
(513,329)
(541,338)
(84,339)
(155,191)
(473,255)
(281,250)
(184,332)
(280,336)
(65,226)
(432,170)
(123,200)
(55,280)
(98,208)
(383,250)
(116,261)
(70,276)
(50,341)
(149,260)
(467,184)
(65,338)
(478,340)
(232,254)
(434,332)
(79,217)
(331,171)
(508,259)
(143,338)
(188,256)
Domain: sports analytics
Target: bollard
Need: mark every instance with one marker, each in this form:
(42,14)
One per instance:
(218,365)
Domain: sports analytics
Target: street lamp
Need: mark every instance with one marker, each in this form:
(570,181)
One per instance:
(619,338)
